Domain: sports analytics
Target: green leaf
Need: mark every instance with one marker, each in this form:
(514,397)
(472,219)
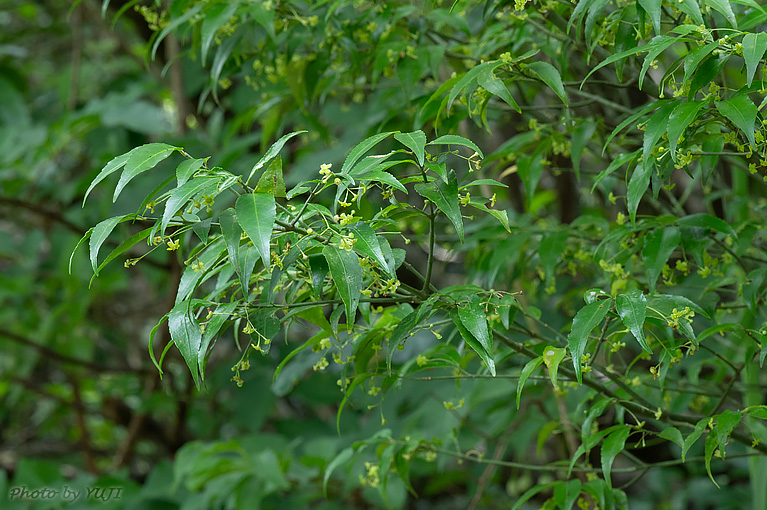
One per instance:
(631,119)
(754,46)
(445,196)
(711,445)
(611,447)
(489,82)
(220,315)
(367,243)
(468,77)
(271,180)
(525,374)
(529,493)
(551,247)
(382,177)
(123,247)
(272,153)
(692,9)
(679,120)
(181,195)
(659,244)
(347,275)
(401,331)
(708,221)
(694,435)
(256,214)
(474,319)
(709,70)
(638,184)
(111,167)
(615,164)
(741,111)
(694,57)
(498,215)
(213,19)
(456,140)
(174,23)
(473,342)
(100,233)
(653,8)
(415,141)
(84,238)
(656,128)
(580,138)
(361,148)
(632,307)
(673,435)
(725,424)
(661,41)
(342,459)
(585,320)
(724,7)
(665,303)
(231,232)
(186,169)
(552,357)
(185,333)
(550,76)
(142,159)
(565,493)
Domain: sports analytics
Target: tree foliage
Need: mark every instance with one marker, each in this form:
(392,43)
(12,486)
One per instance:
(515,251)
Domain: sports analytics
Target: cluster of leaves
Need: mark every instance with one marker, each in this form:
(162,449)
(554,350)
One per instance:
(621,219)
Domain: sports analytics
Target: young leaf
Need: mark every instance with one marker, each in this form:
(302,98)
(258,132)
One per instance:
(680,118)
(456,140)
(611,447)
(585,320)
(84,238)
(415,141)
(142,159)
(552,357)
(272,152)
(695,57)
(640,180)
(445,196)
(111,167)
(659,244)
(474,319)
(99,235)
(565,493)
(347,275)
(122,248)
(361,148)
(185,333)
(489,82)
(187,168)
(525,375)
(754,46)
(656,127)
(741,111)
(473,342)
(708,221)
(550,76)
(694,435)
(710,448)
(468,77)
(725,424)
(501,216)
(271,180)
(673,435)
(724,7)
(181,195)
(652,7)
(632,307)
(256,214)
(367,243)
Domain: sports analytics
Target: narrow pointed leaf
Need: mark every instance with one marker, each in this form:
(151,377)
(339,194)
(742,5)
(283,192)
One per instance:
(708,221)
(347,274)
(474,319)
(754,46)
(84,238)
(611,447)
(725,424)
(469,76)
(585,320)
(638,184)
(679,120)
(99,235)
(181,195)
(445,196)
(724,8)
(550,76)
(527,371)
(271,180)
(693,436)
(659,244)
(710,448)
(401,331)
(456,140)
(565,493)
(256,214)
(186,169)
(673,435)
(142,159)
(741,111)
(415,141)
(488,81)
(367,243)
(652,8)
(552,357)
(632,309)
(220,315)
(111,167)
(473,342)
(272,152)
(361,148)
(186,334)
